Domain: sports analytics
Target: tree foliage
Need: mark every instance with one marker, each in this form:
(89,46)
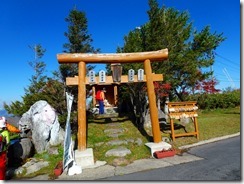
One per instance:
(226,99)
(79,41)
(41,88)
(52,89)
(207,86)
(191,52)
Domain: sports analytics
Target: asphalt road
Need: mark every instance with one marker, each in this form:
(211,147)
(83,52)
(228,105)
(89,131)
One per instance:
(221,162)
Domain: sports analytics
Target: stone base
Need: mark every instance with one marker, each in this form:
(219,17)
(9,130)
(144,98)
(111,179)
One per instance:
(158,146)
(84,158)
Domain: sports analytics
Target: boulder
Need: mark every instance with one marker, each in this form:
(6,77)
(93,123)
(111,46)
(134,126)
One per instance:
(19,150)
(161,118)
(42,121)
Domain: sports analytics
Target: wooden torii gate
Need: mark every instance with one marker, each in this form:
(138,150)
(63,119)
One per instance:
(83,58)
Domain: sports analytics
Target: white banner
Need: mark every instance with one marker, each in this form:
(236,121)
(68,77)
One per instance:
(68,152)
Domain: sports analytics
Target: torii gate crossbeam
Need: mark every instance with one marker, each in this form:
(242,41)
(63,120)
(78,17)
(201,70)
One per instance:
(135,57)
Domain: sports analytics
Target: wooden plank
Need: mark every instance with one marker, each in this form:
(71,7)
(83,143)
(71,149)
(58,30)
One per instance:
(133,57)
(183,115)
(172,104)
(72,81)
(185,134)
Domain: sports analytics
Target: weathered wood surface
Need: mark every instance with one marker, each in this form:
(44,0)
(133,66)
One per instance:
(133,57)
(72,81)
(152,102)
(179,110)
(83,58)
(81,110)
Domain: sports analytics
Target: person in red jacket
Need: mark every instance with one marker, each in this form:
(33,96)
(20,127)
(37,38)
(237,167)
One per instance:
(4,142)
(100,96)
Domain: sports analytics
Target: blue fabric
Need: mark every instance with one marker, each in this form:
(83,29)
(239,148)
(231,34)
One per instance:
(101,106)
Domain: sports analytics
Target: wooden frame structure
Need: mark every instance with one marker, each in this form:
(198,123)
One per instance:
(81,80)
(178,110)
(73,81)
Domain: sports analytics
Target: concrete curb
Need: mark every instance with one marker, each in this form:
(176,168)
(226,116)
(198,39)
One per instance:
(210,141)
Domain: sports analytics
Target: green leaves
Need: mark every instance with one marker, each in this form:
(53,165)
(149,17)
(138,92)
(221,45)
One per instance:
(190,51)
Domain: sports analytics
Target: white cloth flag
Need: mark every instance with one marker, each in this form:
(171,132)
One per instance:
(68,144)
(68,152)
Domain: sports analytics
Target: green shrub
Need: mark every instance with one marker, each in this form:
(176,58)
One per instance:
(227,99)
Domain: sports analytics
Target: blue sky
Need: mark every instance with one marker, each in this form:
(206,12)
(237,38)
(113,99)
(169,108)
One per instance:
(25,23)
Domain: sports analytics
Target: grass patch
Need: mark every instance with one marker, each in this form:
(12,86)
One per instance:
(211,124)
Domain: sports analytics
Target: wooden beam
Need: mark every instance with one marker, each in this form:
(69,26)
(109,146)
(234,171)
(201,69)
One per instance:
(158,56)
(72,81)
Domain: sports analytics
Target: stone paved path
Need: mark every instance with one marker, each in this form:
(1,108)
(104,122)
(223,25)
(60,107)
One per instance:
(120,146)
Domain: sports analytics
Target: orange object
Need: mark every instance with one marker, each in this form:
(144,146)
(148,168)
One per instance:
(12,128)
(58,170)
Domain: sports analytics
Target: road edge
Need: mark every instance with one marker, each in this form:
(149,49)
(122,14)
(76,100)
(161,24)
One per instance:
(209,141)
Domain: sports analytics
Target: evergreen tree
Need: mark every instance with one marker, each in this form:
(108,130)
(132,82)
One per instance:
(190,51)
(79,41)
(41,88)
(37,82)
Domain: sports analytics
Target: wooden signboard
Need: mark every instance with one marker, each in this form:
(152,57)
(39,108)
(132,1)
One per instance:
(179,110)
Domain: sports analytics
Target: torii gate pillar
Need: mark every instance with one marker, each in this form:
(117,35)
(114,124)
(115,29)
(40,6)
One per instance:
(152,102)
(81,106)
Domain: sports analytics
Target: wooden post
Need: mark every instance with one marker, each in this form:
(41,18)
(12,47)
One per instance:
(115,95)
(82,107)
(196,126)
(94,96)
(172,129)
(152,102)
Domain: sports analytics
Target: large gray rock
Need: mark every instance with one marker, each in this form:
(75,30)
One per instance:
(161,118)
(42,120)
(19,151)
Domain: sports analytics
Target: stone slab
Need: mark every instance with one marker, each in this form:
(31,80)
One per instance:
(84,158)
(158,146)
